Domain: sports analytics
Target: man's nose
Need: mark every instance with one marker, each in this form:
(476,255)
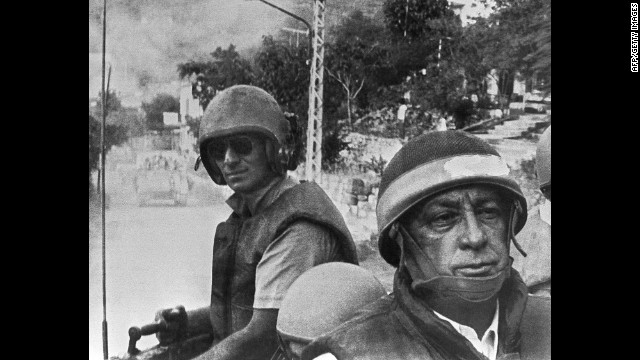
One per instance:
(474,236)
(230,156)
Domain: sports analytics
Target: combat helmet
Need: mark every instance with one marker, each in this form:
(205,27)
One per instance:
(543,159)
(246,109)
(428,165)
(324,297)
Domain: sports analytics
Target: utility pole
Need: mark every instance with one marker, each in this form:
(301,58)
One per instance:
(313,169)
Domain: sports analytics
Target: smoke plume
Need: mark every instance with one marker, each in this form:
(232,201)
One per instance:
(147,39)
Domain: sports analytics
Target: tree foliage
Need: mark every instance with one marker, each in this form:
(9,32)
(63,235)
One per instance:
(113,102)
(114,135)
(282,70)
(227,68)
(154,109)
(516,37)
(420,30)
(129,119)
(356,57)
(417,19)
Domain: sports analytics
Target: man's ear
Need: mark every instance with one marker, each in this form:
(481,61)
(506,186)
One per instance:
(272,150)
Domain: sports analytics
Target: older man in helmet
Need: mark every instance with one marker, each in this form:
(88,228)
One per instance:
(535,237)
(278,228)
(447,213)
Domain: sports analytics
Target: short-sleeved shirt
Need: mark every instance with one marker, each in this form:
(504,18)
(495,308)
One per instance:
(290,255)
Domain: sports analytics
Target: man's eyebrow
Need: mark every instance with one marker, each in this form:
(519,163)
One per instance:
(456,201)
(484,199)
(445,202)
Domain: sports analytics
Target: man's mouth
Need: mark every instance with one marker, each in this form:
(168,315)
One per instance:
(475,270)
(234,173)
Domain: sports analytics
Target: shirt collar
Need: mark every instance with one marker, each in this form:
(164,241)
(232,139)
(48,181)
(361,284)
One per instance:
(240,206)
(488,345)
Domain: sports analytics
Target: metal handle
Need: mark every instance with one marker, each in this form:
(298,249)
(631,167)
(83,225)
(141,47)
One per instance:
(135,333)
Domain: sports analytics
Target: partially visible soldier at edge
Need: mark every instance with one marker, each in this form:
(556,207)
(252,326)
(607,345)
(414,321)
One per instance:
(535,237)
(279,228)
(447,213)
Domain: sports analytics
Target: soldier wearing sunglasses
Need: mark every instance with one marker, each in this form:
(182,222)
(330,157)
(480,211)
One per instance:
(278,227)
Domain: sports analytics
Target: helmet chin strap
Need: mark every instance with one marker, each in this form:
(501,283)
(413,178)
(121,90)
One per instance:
(513,220)
(425,276)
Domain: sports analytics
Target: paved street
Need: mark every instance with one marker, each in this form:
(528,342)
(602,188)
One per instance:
(157,256)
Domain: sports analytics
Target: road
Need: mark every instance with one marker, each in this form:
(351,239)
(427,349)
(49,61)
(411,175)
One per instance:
(157,256)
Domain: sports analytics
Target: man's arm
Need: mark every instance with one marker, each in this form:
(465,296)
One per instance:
(257,340)
(291,254)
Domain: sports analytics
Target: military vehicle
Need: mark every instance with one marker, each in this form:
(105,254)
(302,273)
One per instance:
(161,175)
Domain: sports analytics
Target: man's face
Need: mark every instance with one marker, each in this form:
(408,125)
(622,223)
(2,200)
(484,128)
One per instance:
(462,231)
(242,161)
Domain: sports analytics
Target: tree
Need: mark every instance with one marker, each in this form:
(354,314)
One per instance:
(417,29)
(114,135)
(226,69)
(113,102)
(516,37)
(355,56)
(282,70)
(417,19)
(154,109)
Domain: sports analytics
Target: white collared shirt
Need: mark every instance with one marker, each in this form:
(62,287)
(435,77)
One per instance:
(488,345)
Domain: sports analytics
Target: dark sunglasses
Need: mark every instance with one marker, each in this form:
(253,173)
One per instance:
(241,145)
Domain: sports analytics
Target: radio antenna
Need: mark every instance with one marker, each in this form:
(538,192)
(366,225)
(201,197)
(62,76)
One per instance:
(105,342)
